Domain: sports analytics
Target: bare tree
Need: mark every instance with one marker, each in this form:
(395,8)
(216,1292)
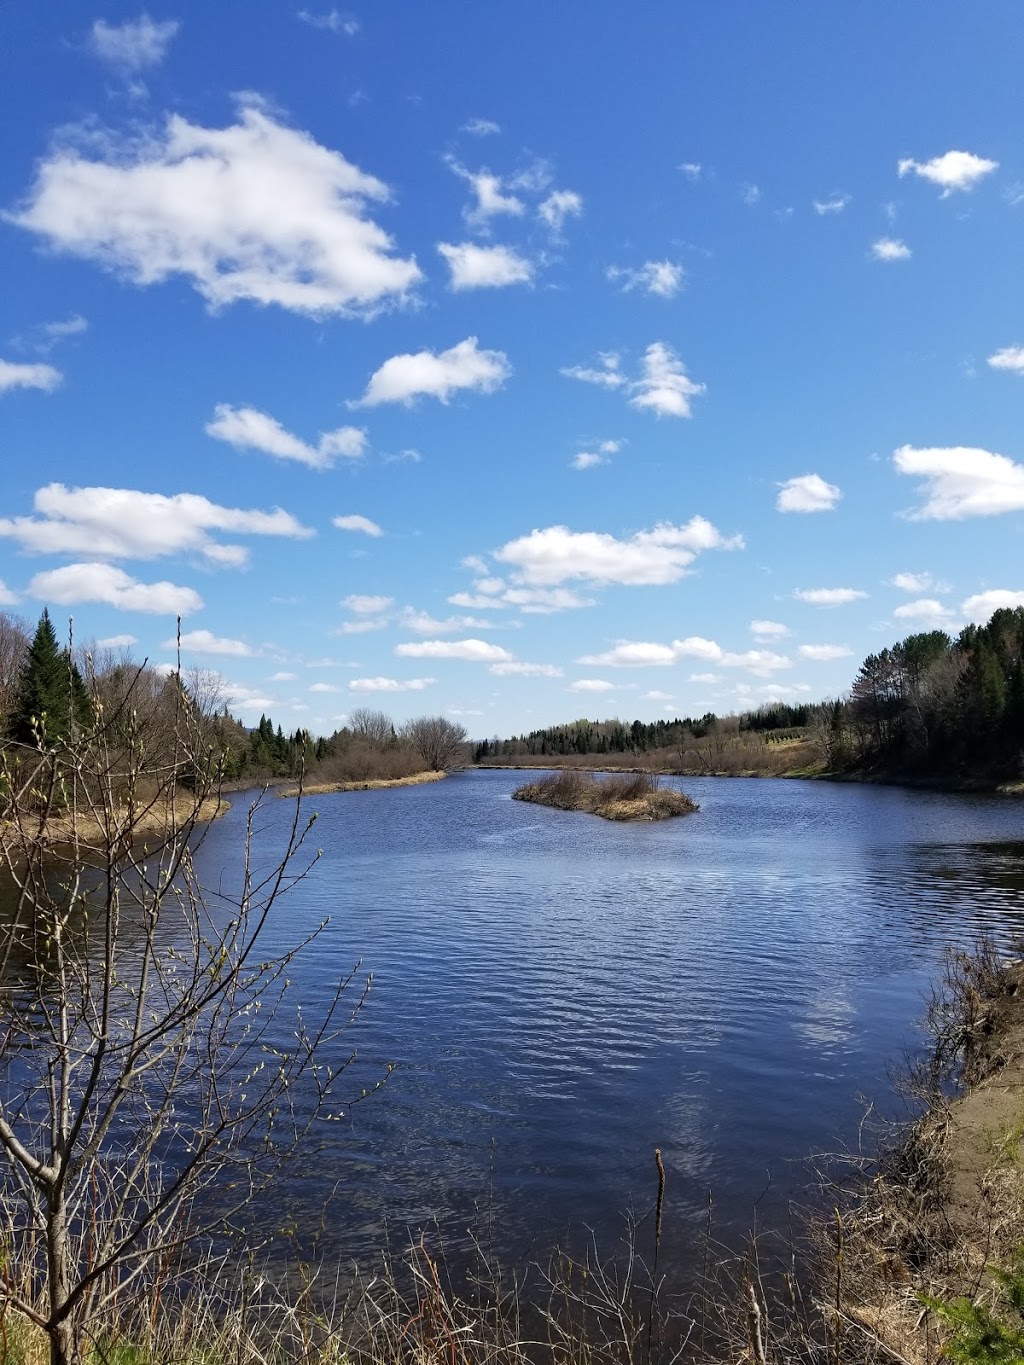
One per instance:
(376,727)
(14,643)
(140,1070)
(438,739)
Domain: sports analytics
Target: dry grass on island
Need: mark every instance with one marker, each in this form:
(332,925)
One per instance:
(631,796)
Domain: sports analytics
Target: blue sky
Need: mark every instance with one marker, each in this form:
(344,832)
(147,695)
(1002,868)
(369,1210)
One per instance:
(519,364)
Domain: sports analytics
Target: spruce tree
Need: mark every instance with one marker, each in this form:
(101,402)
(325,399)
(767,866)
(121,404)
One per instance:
(51,693)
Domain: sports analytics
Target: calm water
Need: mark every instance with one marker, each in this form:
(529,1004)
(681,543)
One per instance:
(561,994)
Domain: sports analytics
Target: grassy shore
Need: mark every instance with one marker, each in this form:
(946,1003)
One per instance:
(371,784)
(635,796)
(158,820)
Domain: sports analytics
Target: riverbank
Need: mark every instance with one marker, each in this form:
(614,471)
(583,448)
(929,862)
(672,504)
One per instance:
(928,1259)
(371,784)
(159,820)
(634,797)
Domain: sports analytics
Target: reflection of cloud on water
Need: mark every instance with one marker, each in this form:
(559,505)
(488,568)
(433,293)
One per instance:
(828,1022)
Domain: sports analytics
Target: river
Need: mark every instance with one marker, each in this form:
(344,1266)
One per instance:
(560,995)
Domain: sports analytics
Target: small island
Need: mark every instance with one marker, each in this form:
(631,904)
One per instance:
(629,796)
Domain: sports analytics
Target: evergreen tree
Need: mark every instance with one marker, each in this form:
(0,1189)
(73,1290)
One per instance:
(51,695)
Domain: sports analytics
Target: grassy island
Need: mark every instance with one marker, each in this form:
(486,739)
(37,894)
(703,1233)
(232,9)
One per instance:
(630,796)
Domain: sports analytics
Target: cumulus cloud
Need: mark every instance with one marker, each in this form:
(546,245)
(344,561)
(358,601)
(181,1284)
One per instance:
(484,267)
(1009,358)
(205,642)
(926,611)
(555,555)
(834,204)
(807,493)
(589,459)
(28,376)
(912,582)
(7,597)
(365,625)
(104,583)
(962,481)
(590,685)
(424,624)
(981,606)
(117,642)
(365,605)
(404,378)
(355,522)
(664,388)
(829,597)
(890,249)
(489,199)
(951,171)
(663,278)
(255,211)
(494,594)
(470,651)
(122,523)
(647,654)
(823,654)
(515,669)
(134,45)
(45,336)
(557,207)
(768,630)
(282,677)
(606,376)
(250,429)
(390,684)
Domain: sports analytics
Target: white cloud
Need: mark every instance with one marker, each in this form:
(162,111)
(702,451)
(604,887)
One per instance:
(255,211)
(282,677)
(424,624)
(324,687)
(204,642)
(962,481)
(609,376)
(590,685)
(333,21)
(471,651)
(981,606)
(951,171)
(913,582)
(515,669)
(117,642)
(663,278)
(480,127)
(823,654)
(47,335)
(834,204)
(655,696)
(829,597)
(557,207)
(645,654)
(704,678)
(365,625)
(664,388)
(769,630)
(484,267)
(692,170)
(926,610)
(390,684)
(494,594)
(489,199)
(103,583)
(750,194)
(250,429)
(135,44)
(357,523)
(588,459)
(20,376)
(1009,358)
(890,249)
(404,378)
(364,605)
(7,597)
(807,493)
(555,555)
(122,523)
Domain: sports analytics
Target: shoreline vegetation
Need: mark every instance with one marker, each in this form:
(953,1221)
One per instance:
(368,784)
(626,797)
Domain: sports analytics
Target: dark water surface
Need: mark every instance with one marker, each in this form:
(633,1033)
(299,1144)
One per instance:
(561,994)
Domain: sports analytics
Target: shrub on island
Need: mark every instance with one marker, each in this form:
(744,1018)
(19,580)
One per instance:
(629,796)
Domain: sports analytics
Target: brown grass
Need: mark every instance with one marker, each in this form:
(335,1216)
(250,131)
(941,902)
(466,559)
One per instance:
(626,796)
(370,784)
